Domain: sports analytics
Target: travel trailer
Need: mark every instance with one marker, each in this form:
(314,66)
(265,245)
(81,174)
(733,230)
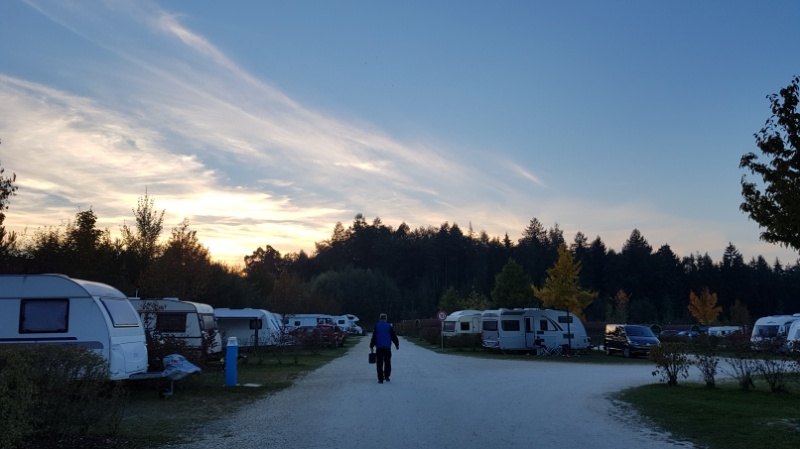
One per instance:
(723,331)
(771,330)
(462,322)
(306,319)
(536,330)
(503,329)
(192,322)
(56,309)
(490,329)
(251,327)
(552,330)
(793,336)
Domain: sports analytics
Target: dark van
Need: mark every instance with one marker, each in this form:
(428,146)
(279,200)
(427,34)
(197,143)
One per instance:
(629,339)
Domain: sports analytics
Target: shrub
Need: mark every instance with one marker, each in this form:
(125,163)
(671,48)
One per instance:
(56,391)
(707,360)
(672,362)
(16,398)
(774,365)
(463,341)
(741,363)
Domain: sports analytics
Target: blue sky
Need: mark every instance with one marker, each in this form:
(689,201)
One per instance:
(266,122)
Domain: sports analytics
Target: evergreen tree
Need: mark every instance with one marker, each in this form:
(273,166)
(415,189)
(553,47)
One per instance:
(512,287)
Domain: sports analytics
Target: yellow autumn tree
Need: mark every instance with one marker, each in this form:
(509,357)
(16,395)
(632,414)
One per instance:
(561,289)
(704,307)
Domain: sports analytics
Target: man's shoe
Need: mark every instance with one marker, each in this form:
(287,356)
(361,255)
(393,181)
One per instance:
(387,379)
(380,381)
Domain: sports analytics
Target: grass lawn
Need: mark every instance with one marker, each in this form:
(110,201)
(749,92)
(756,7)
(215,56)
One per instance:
(723,418)
(150,421)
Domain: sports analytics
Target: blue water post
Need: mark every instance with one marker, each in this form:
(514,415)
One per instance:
(231,355)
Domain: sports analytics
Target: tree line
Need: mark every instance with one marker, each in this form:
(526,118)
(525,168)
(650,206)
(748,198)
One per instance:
(368,268)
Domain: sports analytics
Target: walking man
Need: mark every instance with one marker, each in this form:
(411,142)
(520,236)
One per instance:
(382,337)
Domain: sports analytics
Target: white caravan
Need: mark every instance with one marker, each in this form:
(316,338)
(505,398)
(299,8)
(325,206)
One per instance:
(503,329)
(770,329)
(462,322)
(551,329)
(55,309)
(306,319)
(723,331)
(793,336)
(189,321)
(251,327)
(490,329)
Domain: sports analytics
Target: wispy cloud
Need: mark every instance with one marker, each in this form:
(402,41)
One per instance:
(211,143)
(165,109)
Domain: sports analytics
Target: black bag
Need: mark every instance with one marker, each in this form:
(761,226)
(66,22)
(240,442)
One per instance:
(372,357)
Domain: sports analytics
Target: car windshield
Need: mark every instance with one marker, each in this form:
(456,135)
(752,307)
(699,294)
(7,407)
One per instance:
(639,331)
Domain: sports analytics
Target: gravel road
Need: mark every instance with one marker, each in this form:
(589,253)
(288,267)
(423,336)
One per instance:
(439,401)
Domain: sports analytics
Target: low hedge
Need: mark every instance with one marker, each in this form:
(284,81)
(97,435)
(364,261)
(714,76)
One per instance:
(52,392)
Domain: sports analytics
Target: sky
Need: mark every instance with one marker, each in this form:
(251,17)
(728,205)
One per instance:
(266,122)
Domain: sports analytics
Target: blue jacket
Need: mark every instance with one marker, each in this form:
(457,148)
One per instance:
(383,336)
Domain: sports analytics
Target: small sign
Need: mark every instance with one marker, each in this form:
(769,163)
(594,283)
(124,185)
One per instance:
(442,315)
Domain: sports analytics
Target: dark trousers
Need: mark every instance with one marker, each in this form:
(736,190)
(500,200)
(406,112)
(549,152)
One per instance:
(383,363)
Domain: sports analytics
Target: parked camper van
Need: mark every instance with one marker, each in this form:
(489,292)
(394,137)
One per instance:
(629,339)
(55,309)
(462,322)
(251,327)
(772,330)
(191,322)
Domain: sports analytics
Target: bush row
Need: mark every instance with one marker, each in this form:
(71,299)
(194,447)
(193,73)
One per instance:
(734,356)
(55,392)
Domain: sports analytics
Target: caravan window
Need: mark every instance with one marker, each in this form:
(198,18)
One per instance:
(511,325)
(464,325)
(171,322)
(490,325)
(767,331)
(121,312)
(449,326)
(43,316)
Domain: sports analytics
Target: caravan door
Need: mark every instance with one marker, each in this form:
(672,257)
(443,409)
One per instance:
(547,331)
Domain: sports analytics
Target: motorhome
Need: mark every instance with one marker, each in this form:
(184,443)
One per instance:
(552,330)
(462,322)
(251,327)
(56,309)
(771,330)
(192,322)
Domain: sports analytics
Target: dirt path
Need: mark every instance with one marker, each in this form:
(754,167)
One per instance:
(439,401)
